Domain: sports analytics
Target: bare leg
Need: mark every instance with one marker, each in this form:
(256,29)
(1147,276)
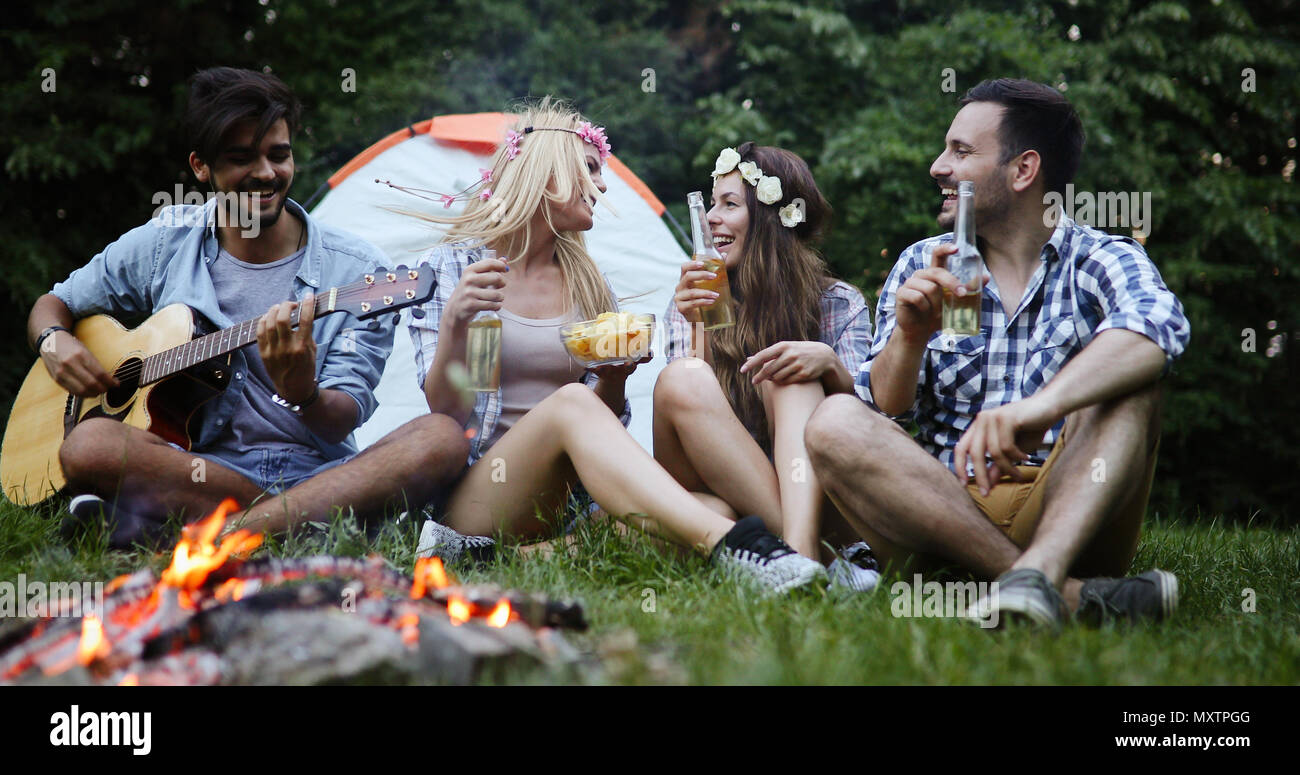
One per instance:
(547,548)
(401,471)
(143,474)
(699,440)
(572,434)
(789,407)
(1121,434)
(888,487)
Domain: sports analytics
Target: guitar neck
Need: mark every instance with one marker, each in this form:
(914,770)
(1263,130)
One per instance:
(176,359)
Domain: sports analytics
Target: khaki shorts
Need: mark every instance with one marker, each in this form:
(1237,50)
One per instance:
(1016,508)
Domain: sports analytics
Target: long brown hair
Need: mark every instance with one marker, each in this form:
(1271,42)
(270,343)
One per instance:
(777,283)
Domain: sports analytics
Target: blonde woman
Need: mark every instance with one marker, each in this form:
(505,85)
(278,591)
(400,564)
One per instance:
(552,428)
(729,421)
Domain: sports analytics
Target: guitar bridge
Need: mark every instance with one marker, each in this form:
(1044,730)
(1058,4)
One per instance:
(71,408)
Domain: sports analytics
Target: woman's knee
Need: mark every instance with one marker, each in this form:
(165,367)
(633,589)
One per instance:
(686,384)
(792,393)
(573,401)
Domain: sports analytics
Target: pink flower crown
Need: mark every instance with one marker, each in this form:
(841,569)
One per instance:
(594,135)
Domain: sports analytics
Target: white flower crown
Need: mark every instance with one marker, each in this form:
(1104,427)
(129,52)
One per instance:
(767,187)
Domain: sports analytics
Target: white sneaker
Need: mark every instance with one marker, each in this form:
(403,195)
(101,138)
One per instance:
(855,569)
(436,539)
(751,551)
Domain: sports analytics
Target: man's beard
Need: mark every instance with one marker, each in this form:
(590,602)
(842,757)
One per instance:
(990,209)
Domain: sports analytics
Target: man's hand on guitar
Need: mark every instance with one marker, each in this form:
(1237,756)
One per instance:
(288,354)
(73,367)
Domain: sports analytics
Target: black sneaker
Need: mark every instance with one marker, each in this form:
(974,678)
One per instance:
(1152,596)
(751,551)
(438,540)
(126,529)
(1023,594)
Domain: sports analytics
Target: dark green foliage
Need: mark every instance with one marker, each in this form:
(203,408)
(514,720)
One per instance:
(855,87)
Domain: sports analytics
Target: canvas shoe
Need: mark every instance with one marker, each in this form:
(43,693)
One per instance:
(125,529)
(1023,594)
(749,550)
(1152,596)
(854,569)
(438,540)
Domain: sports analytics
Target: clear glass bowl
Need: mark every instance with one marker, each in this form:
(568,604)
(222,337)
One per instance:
(614,337)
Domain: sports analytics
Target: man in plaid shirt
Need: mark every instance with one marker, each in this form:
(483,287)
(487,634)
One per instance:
(1038,436)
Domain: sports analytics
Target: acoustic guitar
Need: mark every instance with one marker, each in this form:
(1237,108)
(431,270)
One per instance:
(167,368)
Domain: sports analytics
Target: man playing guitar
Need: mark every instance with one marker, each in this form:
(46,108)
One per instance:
(283,424)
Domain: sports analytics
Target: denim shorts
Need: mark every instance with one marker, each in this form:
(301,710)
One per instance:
(275,470)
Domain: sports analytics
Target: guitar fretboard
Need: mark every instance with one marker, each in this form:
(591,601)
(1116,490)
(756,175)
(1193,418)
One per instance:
(168,362)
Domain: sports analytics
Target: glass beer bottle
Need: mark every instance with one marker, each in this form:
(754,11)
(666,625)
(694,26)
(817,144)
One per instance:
(961,314)
(483,350)
(719,313)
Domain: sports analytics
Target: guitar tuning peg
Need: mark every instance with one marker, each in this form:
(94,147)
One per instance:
(417,313)
(397,318)
(373,325)
(400,268)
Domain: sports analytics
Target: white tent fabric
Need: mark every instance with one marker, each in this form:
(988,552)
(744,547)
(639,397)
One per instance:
(634,248)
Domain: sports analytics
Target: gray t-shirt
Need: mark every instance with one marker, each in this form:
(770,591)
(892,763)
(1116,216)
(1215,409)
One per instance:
(534,364)
(247,291)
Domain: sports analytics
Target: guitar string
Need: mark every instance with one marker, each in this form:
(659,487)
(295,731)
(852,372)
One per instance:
(344,294)
(134,370)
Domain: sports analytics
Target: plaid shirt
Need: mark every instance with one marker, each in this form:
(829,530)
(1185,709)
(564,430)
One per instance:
(449,261)
(846,326)
(1088,281)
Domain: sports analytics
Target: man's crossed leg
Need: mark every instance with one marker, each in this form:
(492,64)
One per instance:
(1077,517)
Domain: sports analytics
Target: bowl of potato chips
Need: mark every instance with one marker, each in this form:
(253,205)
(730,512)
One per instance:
(614,337)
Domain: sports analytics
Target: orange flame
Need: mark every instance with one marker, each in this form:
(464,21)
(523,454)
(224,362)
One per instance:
(130,679)
(458,609)
(198,554)
(230,590)
(93,643)
(428,573)
(500,615)
(116,583)
(409,625)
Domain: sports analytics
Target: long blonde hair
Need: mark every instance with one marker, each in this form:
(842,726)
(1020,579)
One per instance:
(550,167)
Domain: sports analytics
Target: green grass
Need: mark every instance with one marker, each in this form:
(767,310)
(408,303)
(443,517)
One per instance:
(704,630)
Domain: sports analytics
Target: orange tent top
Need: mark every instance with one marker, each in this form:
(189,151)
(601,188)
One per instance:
(479,133)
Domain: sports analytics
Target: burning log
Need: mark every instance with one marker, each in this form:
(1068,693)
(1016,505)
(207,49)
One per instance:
(210,609)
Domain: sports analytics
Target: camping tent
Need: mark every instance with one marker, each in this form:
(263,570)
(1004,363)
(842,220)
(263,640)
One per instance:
(633,248)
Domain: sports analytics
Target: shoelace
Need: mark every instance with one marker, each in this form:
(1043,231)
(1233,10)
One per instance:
(861,557)
(767,547)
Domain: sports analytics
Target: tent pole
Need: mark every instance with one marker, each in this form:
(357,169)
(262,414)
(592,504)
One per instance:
(321,191)
(677,227)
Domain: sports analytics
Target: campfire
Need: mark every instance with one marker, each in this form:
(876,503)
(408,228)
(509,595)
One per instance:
(214,616)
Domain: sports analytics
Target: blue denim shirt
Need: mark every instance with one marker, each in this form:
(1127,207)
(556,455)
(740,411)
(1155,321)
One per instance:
(167,260)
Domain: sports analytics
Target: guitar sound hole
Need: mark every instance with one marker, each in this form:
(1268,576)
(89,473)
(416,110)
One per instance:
(128,378)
